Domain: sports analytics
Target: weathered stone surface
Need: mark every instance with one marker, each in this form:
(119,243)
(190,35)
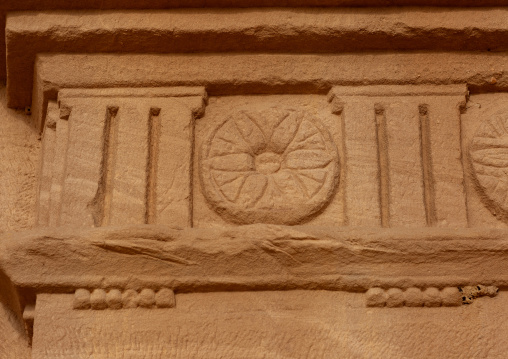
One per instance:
(19,163)
(294,324)
(387,186)
(254,257)
(119,157)
(257,182)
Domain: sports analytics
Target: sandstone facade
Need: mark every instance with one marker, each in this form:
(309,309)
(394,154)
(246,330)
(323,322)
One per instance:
(306,179)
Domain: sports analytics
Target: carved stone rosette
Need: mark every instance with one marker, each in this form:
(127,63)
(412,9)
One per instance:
(270,166)
(489,157)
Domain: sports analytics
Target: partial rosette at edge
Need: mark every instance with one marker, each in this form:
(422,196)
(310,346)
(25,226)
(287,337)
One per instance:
(270,166)
(489,159)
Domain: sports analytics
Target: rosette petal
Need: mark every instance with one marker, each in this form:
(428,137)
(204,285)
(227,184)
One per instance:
(307,159)
(285,132)
(238,162)
(312,180)
(491,151)
(251,132)
(307,137)
(228,140)
(290,186)
(230,183)
(489,157)
(252,190)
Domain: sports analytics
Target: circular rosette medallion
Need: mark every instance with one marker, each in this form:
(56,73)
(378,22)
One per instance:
(273,166)
(489,157)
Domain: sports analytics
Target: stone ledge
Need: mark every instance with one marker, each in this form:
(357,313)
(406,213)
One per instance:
(236,74)
(247,30)
(255,257)
(45,5)
(165,4)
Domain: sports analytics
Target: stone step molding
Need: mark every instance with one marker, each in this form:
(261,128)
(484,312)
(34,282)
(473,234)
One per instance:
(253,31)
(248,74)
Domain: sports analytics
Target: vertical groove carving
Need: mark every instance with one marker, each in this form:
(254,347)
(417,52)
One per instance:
(384,180)
(428,180)
(191,171)
(154,129)
(343,160)
(101,204)
(59,167)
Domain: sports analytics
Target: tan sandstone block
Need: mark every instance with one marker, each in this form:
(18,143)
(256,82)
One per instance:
(124,156)
(98,299)
(114,299)
(129,140)
(130,298)
(395,297)
(376,297)
(404,162)
(432,297)
(446,160)
(165,298)
(172,179)
(361,166)
(451,297)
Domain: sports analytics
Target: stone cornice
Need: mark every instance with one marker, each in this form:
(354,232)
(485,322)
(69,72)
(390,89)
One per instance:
(245,31)
(45,5)
(255,257)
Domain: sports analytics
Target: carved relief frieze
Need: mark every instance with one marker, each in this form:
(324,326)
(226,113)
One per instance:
(270,166)
(402,155)
(257,182)
(119,156)
(344,192)
(382,156)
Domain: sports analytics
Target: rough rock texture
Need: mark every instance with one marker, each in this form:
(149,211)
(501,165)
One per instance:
(19,154)
(19,146)
(293,324)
